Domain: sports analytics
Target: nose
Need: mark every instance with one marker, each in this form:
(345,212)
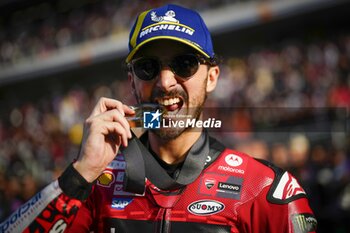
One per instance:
(166,80)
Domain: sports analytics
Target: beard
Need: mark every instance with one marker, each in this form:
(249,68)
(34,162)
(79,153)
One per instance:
(193,110)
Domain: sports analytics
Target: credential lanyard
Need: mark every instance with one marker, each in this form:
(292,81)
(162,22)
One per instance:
(141,164)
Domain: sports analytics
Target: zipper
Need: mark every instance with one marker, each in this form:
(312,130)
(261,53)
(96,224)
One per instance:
(164,222)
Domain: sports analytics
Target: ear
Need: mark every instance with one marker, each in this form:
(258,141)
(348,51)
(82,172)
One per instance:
(132,82)
(133,87)
(213,75)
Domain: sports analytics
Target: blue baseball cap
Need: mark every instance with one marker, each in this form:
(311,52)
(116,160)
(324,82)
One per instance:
(171,22)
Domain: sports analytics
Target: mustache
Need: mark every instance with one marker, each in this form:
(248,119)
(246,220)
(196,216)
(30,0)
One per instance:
(158,93)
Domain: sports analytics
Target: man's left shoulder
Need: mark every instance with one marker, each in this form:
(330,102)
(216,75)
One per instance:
(285,188)
(257,174)
(240,164)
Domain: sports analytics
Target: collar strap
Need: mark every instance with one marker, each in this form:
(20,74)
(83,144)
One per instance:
(141,164)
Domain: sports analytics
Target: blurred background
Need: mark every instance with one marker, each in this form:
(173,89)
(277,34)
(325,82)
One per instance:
(283,93)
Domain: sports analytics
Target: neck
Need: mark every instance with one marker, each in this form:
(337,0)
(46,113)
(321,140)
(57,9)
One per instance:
(173,151)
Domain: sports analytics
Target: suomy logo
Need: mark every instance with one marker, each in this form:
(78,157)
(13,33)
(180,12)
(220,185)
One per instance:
(205,207)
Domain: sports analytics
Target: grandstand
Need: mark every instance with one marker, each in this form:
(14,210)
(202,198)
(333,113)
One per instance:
(285,71)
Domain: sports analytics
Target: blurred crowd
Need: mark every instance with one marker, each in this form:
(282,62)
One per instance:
(269,100)
(40,30)
(39,139)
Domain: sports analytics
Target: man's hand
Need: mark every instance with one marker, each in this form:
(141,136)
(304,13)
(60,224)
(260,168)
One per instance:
(105,130)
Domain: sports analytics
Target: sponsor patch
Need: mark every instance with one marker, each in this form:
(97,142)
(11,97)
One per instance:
(120,203)
(117,164)
(168,17)
(233,160)
(304,223)
(232,163)
(26,214)
(205,207)
(229,188)
(218,185)
(209,183)
(167,22)
(23,213)
(232,170)
(106,179)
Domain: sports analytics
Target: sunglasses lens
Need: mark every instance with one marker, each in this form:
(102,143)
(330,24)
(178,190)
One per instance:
(185,65)
(146,68)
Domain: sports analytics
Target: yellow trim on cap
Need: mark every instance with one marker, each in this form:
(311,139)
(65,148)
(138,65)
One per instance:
(140,20)
(132,53)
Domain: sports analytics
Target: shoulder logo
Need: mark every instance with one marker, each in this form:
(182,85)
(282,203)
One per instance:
(304,222)
(233,160)
(287,188)
(205,207)
(168,17)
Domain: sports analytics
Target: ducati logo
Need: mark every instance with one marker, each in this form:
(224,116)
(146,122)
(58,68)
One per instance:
(209,183)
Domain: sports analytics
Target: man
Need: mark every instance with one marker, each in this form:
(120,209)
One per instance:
(172,179)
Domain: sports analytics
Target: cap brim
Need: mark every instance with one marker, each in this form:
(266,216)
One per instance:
(132,53)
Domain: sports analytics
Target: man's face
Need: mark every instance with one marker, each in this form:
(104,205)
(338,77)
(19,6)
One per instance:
(179,96)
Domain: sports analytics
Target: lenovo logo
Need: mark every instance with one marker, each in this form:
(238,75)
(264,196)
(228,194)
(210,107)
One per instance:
(229,187)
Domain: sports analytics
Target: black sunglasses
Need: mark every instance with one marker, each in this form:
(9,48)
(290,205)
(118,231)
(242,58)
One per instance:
(184,66)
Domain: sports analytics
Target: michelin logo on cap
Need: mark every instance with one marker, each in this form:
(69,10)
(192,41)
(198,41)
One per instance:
(171,22)
(168,17)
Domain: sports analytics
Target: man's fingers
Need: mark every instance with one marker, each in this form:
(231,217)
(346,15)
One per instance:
(127,110)
(109,109)
(105,104)
(110,122)
(115,116)
(115,129)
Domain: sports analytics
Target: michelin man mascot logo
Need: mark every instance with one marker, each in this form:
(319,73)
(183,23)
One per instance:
(168,17)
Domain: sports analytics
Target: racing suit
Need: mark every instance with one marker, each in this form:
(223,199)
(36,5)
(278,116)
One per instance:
(232,193)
